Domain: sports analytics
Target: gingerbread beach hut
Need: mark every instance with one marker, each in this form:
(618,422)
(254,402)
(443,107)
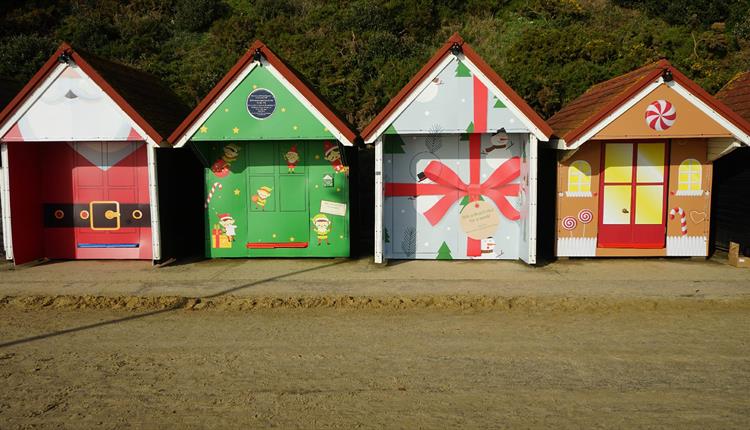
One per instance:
(456,164)
(276,164)
(79,167)
(731,197)
(634,176)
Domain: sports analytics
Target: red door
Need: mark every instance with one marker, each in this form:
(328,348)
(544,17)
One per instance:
(632,195)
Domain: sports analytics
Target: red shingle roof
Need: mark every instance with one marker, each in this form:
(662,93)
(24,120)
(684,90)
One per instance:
(485,68)
(151,105)
(736,94)
(588,109)
(585,112)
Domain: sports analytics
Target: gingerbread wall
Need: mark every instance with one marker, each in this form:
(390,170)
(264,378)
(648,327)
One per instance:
(578,212)
(579,239)
(696,205)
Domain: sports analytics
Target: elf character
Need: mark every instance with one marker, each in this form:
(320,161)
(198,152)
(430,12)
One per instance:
(292,158)
(227,223)
(322,228)
(231,152)
(222,165)
(261,196)
(333,155)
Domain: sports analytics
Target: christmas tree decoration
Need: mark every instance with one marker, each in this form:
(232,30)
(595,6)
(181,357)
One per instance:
(444,252)
(277,143)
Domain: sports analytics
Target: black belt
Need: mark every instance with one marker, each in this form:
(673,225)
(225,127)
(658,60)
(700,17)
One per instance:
(97,215)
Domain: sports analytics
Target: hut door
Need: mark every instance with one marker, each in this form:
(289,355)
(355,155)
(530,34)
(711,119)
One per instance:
(279,215)
(106,189)
(632,195)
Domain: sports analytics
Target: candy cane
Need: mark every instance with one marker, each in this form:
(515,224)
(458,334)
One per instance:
(211,193)
(683,219)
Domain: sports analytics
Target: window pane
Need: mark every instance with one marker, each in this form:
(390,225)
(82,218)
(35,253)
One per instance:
(649,204)
(650,162)
(618,162)
(616,198)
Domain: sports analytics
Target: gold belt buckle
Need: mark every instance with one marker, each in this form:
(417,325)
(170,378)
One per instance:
(108,214)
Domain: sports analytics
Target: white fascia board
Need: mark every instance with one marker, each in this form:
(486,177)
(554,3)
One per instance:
(716,116)
(216,103)
(533,192)
(379,200)
(153,196)
(503,98)
(615,114)
(409,99)
(5,202)
(556,144)
(32,98)
(306,103)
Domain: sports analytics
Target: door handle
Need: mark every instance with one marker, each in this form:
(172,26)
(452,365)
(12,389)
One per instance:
(625,211)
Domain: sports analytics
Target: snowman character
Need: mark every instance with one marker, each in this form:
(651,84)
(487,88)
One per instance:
(227,223)
(498,140)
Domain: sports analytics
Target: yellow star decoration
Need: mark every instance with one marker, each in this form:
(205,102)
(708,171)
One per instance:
(204,129)
(226,109)
(236,130)
(317,157)
(341,237)
(338,190)
(295,127)
(291,239)
(283,109)
(255,87)
(236,191)
(325,129)
(273,235)
(316,185)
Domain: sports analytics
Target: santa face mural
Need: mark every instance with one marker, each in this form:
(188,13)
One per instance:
(73,108)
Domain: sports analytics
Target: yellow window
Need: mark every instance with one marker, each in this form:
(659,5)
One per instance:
(618,162)
(689,177)
(579,177)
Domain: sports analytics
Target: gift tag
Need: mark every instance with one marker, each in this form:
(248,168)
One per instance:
(479,219)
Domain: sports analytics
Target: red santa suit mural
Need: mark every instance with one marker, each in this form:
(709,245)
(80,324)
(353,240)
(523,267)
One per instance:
(78,171)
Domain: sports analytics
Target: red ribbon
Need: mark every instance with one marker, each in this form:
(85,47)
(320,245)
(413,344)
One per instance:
(448,184)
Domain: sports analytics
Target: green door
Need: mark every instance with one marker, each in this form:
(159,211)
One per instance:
(279,215)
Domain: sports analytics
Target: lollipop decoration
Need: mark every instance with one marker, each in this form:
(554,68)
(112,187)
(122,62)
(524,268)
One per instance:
(660,115)
(569,223)
(585,216)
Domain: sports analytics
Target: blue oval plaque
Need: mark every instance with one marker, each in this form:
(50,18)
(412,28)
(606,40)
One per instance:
(261,103)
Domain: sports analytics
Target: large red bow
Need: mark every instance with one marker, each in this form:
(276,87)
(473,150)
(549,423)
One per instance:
(496,188)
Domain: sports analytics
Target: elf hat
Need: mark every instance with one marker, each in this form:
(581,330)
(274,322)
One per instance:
(328,147)
(318,217)
(293,148)
(224,217)
(266,189)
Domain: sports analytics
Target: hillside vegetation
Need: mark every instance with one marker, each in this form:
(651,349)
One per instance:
(359,53)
